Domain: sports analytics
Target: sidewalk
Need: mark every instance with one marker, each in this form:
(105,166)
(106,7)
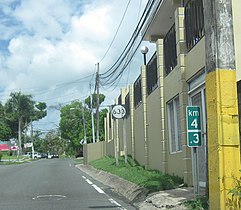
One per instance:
(169,199)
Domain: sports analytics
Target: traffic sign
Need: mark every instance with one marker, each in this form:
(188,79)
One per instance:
(193,126)
(118,112)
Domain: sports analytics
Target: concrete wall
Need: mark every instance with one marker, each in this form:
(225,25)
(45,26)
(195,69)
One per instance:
(154,130)
(128,136)
(154,142)
(139,135)
(110,148)
(94,151)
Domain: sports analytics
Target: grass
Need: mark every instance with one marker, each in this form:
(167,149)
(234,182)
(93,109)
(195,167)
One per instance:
(152,180)
(7,159)
(200,203)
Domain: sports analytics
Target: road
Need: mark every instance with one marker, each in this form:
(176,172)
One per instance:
(50,184)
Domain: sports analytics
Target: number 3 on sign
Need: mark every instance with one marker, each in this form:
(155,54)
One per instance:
(196,140)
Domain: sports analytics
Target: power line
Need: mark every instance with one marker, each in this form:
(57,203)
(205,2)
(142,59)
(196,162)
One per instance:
(123,16)
(116,71)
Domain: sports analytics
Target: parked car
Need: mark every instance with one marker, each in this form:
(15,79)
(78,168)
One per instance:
(50,155)
(55,155)
(37,155)
(44,155)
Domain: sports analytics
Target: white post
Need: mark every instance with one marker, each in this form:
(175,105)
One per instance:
(124,140)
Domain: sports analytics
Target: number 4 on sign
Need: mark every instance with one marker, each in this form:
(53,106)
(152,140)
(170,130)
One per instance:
(194,123)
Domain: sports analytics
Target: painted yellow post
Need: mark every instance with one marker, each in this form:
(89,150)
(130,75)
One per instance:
(221,99)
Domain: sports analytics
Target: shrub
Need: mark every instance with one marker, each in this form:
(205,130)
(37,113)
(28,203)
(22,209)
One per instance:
(235,201)
(1,155)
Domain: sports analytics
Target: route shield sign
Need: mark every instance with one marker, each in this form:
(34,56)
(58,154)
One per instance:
(193,126)
(118,111)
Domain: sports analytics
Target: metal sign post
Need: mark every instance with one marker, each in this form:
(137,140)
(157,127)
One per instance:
(193,126)
(119,112)
(194,139)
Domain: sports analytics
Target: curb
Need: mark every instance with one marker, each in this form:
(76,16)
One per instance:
(138,196)
(132,192)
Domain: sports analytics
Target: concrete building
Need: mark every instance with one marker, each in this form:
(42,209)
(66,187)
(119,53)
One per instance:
(174,78)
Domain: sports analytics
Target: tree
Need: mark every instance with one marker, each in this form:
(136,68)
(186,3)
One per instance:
(72,123)
(22,109)
(5,130)
(94,100)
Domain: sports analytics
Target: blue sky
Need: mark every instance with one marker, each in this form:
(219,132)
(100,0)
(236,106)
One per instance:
(48,46)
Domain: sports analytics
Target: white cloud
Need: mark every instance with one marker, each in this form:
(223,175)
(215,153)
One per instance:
(58,41)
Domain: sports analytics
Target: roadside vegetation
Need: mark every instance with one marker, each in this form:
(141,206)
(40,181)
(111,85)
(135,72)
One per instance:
(7,159)
(200,203)
(152,180)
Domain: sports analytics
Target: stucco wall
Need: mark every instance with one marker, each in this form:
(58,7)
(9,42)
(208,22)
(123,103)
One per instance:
(110,149)
(128,136)
(139,135)
(94,151)
(195,59)
(154,129)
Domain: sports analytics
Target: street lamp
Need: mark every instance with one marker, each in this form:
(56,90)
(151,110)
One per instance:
(144,51)
(83,118)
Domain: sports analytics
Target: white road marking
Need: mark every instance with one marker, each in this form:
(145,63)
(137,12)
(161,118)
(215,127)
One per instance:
(89,182)
(98,189)
(102,192)
(114,202)
(57,197)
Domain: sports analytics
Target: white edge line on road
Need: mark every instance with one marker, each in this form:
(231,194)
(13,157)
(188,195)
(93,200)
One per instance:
(98,189)
(114,202)
(89,182)
(102,192)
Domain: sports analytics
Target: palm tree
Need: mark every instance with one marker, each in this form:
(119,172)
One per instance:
(21,107)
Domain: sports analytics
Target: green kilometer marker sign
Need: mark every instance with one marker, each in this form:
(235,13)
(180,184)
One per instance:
(193,126)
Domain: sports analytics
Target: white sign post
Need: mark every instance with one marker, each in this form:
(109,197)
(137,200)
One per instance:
(119,112)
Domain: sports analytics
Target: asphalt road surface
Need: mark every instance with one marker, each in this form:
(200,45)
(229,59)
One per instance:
(54,184)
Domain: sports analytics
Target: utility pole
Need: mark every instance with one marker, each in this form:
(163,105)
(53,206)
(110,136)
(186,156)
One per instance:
(92,116)
(83,118)
(221,100)
(98,103)
(31,132)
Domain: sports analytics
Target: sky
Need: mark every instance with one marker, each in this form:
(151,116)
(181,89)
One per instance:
(50,48)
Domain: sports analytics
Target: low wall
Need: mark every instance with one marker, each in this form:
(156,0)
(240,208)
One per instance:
(110,149)
(94,151)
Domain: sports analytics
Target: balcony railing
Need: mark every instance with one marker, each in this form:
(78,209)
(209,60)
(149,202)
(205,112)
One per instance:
(127,105)
(137,92)
(119,100)
(170,51)
(194,22)
(151,74)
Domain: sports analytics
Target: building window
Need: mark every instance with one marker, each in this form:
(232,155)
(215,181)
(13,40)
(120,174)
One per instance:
(174,127)
(170,50)
(194,22)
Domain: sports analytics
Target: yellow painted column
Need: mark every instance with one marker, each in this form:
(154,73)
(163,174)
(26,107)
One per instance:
(223,135)
(222,105)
